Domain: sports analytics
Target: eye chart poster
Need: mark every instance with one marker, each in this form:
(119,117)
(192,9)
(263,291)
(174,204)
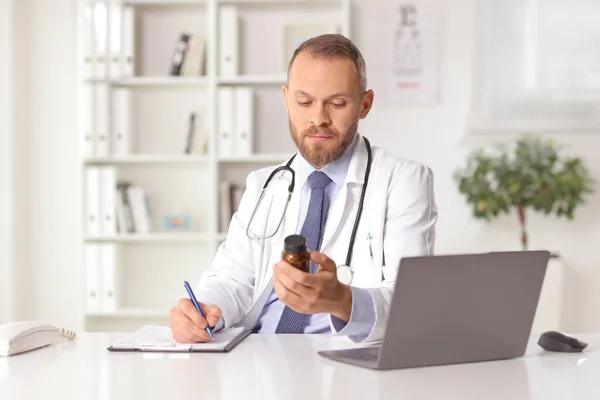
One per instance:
(414,66)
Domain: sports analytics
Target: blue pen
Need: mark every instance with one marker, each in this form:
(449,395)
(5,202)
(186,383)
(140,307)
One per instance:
(193,298)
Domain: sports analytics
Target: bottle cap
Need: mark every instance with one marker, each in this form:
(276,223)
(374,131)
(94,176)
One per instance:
(295,244)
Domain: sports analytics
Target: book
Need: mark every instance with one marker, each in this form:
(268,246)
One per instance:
(178,57)
(159,339)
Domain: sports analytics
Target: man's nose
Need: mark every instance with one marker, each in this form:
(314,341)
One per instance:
(320,115)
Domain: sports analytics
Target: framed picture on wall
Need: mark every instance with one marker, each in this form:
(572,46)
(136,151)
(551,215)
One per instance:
(294,34)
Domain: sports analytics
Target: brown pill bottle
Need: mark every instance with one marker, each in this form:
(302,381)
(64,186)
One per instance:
(295,252)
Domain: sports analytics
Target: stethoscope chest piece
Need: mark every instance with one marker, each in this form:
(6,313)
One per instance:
(345,274)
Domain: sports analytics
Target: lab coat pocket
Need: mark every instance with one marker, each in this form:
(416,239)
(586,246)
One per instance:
(366,261)
(375,241)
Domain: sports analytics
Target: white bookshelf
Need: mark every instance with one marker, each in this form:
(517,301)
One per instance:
(140,159)
(275,79)
(151,238)
(138,132)
(150,81)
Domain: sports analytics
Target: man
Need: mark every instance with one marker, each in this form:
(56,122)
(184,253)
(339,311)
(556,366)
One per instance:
(247,284)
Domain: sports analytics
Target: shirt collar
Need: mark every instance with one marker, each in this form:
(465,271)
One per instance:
(335,170)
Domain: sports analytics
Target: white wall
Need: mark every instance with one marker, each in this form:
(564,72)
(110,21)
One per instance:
(436,135)
(46,181)
(439,137)
(6,167)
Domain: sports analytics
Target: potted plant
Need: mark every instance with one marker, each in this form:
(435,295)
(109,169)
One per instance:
(529,175)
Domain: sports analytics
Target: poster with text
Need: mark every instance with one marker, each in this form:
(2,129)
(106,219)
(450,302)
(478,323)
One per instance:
(414,72)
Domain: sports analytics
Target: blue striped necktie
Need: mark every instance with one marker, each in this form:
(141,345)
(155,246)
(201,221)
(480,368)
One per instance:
(312,230)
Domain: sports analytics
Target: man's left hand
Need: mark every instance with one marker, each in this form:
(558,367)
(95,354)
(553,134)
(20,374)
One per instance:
(313,293)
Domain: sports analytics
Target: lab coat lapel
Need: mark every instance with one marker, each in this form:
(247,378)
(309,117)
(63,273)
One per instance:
(356,171)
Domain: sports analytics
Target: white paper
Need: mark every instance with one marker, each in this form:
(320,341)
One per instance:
(152,337)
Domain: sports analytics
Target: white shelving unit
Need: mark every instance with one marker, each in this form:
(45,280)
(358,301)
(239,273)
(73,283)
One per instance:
(134,123)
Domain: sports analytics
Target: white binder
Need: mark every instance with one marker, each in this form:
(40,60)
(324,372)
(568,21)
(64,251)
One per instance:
(108,221)
(92,201)
(110,281)
(115,52)
(229,37)
(101,136)
(225,141)
(128,37)
(93,291)
(121,129)
(88,41)
(100,37)
(244,121)
(87,134)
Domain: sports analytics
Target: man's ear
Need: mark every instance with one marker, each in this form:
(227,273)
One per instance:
(366,103)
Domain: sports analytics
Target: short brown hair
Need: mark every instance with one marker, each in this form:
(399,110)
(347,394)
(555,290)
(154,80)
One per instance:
(334,46)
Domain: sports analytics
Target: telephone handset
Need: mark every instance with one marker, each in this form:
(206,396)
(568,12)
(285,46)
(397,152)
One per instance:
(22,336)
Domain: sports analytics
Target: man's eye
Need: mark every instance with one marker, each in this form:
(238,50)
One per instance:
(339,104)
(304,103)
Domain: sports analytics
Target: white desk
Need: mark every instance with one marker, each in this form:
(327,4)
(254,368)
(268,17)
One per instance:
(270,367)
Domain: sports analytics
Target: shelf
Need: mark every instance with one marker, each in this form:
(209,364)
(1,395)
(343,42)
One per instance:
(146,159)
(164,2)
(130,312)
(152,81)
(256,158)
(307,3)
(165,237)
(279,79)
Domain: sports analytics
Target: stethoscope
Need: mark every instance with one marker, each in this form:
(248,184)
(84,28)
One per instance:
(345,272)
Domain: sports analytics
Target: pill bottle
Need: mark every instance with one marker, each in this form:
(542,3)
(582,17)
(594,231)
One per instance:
(295,252)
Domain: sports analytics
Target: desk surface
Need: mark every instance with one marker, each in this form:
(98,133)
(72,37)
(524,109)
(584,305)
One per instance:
(283,367)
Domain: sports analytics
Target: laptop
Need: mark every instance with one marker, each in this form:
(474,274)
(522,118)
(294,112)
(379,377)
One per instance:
(452,309)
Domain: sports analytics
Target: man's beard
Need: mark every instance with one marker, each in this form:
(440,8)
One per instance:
(320,154)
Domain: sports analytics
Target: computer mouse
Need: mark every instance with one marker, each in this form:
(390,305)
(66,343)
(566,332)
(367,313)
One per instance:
(561,342)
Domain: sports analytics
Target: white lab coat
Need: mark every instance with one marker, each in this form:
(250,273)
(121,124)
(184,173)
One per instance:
(399,215)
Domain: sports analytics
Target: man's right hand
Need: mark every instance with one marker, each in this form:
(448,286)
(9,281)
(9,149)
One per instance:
(188,326)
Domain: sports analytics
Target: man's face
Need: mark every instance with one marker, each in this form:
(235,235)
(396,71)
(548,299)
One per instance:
(324,103)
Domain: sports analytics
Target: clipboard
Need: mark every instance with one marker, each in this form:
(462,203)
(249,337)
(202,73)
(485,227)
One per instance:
(158,339)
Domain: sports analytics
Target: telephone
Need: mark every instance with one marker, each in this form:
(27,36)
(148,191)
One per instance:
(22,336)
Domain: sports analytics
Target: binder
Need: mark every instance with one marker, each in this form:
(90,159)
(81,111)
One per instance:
(92,278)
(102,120)
(110,282)
(152,338)
(114,39)
(87,115)
(92,201)
(88,42)
(229,41)
(179,54)
(100,36)
(121,130)
(128,37)
(244,122)
(225,144)
(108,223)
